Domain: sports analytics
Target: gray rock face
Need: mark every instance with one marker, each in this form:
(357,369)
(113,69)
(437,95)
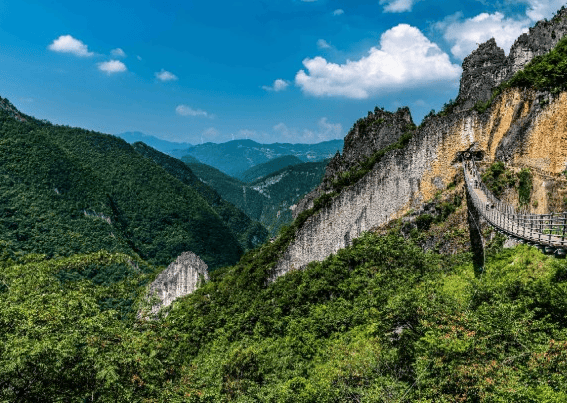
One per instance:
(375,132)
(368,135)
(487,66)
(180,278)
(483,70)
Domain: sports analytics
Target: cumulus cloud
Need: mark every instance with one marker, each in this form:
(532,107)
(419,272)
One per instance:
(165,75)
(118,52)
(278,85)
(325,131)
(398,6)
(184,110)
(405,59)
(112,66)
(540,9)
(338,11)
(465,35)
(323,44)
(68,44)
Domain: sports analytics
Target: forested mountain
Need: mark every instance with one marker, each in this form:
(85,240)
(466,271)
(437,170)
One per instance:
(269,198)
(249,233)
(267,168)
(230,189)
(152,141)
(66,190)
(237,156)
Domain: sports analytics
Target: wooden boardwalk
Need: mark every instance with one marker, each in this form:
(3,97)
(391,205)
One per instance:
(544,230)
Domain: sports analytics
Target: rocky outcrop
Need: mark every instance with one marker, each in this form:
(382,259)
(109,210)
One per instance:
(483,70)
(368,135)
(487,66)
(180,278)
(406,178)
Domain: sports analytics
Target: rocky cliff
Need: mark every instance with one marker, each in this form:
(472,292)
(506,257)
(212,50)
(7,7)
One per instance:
(488,66)
(180,278)
(523,127)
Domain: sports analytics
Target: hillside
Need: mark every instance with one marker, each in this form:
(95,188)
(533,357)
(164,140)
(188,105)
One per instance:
(230,189)
(67,190)
(267,168)
(237,156)
(249,233)
(269,199)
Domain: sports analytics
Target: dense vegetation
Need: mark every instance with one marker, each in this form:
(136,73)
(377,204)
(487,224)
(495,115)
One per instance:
(66,190)
(230,189)
(379,321)
(249,233)
(498,179)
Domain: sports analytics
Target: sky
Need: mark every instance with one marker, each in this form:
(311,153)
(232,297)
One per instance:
(295,71)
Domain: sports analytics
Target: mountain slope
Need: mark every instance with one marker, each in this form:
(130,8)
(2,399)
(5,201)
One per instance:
(68,190)
(267,168)
(249,233)
(230,189)
(235,157)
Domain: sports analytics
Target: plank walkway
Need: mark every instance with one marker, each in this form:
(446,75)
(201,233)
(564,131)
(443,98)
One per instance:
(544,230)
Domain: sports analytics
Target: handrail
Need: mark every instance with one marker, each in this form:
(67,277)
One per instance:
(543,229)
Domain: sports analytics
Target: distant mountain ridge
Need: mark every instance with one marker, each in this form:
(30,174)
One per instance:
(154,142)
(237,156)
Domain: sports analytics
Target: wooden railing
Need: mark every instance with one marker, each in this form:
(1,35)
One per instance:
(545,230)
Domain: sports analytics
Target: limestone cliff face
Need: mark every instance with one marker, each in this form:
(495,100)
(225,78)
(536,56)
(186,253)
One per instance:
(522,127)
(517,128)
(368,135)
(488,66)
(180,278)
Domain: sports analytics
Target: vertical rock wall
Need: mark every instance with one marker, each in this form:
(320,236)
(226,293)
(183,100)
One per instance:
(180,278)
(405,178)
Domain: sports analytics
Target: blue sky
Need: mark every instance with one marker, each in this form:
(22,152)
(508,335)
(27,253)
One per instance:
(272,71)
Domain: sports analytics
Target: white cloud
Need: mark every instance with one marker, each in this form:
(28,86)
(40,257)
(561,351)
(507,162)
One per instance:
(139,57)
(398,6)
(112,66)
(326,131)
(538,9)
(165,75)
(323,44)
(329,131)
(184,110)
(278,85)
(211,132)
(466,35)
(405,59)
(285,132)
(118,52)
(68,44)
(338,11)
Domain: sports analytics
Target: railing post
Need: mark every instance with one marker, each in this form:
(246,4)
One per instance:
(563,231)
